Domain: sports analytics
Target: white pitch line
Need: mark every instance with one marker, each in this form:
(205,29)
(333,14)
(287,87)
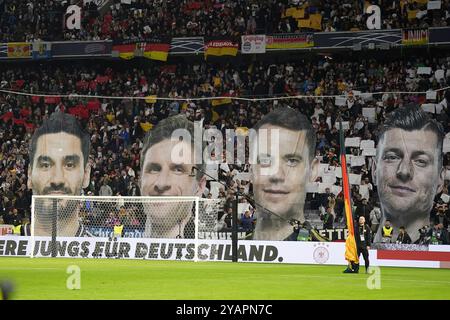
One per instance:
(382,278)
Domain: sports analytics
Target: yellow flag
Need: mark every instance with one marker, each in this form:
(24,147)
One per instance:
(215,116)
(218,102)
(150,99)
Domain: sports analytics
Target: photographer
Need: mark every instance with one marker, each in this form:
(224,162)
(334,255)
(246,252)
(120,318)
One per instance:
(438,235)
(442,215)
(305,232)
(403,236)
(424,237)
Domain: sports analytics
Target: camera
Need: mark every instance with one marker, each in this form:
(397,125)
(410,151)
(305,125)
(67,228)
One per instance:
(424,238)
(424,230)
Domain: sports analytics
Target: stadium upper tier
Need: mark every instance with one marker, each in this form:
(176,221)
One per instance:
(119,125)
(28,20)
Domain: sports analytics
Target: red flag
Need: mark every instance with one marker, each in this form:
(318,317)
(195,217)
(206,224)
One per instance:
(28,126)
(93,105)
(25,112)
(52,100)
(83,112)
(93,85)
(19,121)
(82,84)
(35,99)
(7,116)
(102,79)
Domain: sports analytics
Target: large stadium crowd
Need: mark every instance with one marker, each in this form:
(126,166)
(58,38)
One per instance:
(28,20)
(117,126)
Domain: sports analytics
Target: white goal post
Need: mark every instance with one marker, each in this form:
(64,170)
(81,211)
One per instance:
(60,217)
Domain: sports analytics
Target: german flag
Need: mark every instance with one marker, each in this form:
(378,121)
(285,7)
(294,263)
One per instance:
(156,51)
(126,51)
(351,253)
(221,47)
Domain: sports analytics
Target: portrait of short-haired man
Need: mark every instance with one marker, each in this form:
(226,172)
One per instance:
(408,169)
(59,154)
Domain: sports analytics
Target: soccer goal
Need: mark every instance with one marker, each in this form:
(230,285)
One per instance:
(121,227)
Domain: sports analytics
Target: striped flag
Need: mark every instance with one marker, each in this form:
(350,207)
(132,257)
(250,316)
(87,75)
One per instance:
(156,51)
(351,253)
(125,51)
(221,47)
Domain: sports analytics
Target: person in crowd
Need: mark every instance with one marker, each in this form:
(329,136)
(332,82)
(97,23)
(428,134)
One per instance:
(387,232)
(438,235)
(375,218)
(441,216)
(327,218)
(403,236)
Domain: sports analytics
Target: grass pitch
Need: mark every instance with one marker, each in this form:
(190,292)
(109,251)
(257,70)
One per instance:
(173,280)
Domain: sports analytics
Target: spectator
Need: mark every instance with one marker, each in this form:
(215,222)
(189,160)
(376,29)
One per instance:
(386,232)
(13,217)
(403,236)
(35,20)
(375,218)
(366,189)
(228,219)
(112,220)
(118,229)
(133,189)
(327,218)
(324,200)
(247,222)
(438,235)
(112,113)
(339,207)
(363,210)
(442,217)
(105,190)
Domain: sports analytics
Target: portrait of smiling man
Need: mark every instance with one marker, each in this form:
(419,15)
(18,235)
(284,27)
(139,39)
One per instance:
(59,165)
(408,169)
(282,171)
(167,163)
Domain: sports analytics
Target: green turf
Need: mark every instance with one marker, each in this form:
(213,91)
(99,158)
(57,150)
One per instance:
(137,279)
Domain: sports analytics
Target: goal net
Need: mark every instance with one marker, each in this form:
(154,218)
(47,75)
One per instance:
(55,218)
